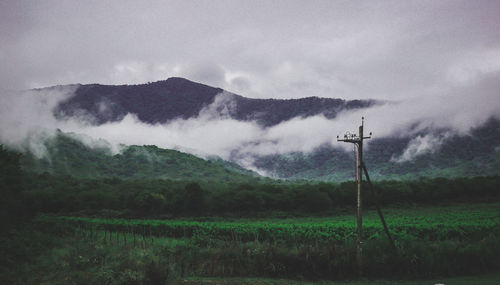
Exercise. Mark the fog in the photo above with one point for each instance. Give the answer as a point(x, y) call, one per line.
point(26, 120)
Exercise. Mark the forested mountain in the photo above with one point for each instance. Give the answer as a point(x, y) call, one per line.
point(461, 156)
point(477, 154)
point(161, 101)
point(66, 155)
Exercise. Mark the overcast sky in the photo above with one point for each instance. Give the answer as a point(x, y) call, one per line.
point(282, 49)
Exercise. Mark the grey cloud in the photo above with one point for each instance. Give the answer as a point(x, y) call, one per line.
point(348, 49)
point(27, 119)
point(438, 62)
point(206, 72)
point(420, 145)
point(239, 84)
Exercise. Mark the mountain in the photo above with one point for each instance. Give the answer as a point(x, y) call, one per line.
point(66, 154)
point(162, 101)
point(477, 154)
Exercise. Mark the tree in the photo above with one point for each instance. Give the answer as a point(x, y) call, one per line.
point(11, 205)
point(194, 198)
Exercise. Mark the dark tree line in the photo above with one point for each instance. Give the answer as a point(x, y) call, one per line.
point(146, 198)
point(24, 194)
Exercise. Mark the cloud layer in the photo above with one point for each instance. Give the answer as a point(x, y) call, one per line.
point(281, 49)
point(437, 63)
point(26, 119)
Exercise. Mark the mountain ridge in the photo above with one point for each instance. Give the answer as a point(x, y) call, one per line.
point(176, 97)
point(471, 155)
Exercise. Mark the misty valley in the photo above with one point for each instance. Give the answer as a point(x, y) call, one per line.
point(177, 182)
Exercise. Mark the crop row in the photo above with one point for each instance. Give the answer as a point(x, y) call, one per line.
point(261, 231)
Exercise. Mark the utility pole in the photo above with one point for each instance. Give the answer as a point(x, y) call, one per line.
point(357, 140)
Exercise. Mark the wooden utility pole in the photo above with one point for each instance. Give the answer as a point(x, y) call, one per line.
point(359, 211)
point(358, 141)
point(361, 167)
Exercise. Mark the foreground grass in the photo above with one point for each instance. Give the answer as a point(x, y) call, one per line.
point(483, 279)
point(58, 253)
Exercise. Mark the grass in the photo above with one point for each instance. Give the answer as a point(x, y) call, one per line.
point(483, 279)
point(467, 243)
point(431, 223)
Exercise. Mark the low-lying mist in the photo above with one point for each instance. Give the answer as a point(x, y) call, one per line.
point(27, 120)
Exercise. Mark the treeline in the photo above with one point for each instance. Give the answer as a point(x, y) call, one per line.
point(33, 193)
point(167, 198)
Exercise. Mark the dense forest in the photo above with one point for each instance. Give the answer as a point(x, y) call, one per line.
point(146, 197)
point(87, 229)
point(66, 154)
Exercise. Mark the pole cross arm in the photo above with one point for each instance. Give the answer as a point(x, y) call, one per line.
point(355, 140)
point(351, 138)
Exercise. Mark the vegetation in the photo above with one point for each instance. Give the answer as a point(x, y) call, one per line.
point(476, 154)
point(160, 102)
point(468, 156)
point(64, 229)
point(460, 240)
point(430, 224)
point(82, 215)
point(66, 154)
point(11, 176)
point(115, 197)
point(32, 255)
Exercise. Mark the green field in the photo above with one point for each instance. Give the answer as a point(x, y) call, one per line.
point(432, 242)
point(483, 279)
point(427, 223)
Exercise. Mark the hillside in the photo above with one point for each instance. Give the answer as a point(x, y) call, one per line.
point(69, 156)
point(162, 101)
point(474, 155)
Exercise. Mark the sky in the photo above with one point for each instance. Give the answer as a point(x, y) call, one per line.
point(434, 64)
point(280, 49)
